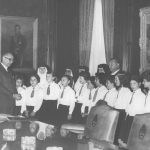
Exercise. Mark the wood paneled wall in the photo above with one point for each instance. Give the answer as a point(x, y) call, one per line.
point(127, 32)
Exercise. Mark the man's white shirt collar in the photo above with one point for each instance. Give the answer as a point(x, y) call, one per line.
point(115, 72)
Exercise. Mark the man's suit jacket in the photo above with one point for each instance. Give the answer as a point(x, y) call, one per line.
point(7, 89)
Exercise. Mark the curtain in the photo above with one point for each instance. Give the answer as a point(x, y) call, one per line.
point(126, 39)
point(108, 21)
point(67, 53)
point(97, 55)
point(51, 9)
point(86, 13)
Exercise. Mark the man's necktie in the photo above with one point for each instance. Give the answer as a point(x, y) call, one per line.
point(62, 94)
point(95, 95)
point(32, 93)
point(131, 98)
point(48, 90)
point(81, 90)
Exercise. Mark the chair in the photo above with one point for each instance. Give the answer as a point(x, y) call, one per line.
point(101, 126)
point(139, 137)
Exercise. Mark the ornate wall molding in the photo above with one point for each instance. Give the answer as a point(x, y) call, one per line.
point(144, 41)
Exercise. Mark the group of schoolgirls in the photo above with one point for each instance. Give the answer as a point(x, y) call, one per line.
point(57, 103)
point(67, 100)
point(134, 102)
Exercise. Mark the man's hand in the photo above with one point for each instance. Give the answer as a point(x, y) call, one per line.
point(33, 114)
point(17, 96)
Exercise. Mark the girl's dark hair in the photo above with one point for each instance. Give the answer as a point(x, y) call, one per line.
point(85, 75)
point(136, 78)
point(84, 68)
point(146, 75)
point(36, 76)
point(50, 72)
point(102, 78)
point(92, 80)
point(105, 68)
point(20, 77)
point(111, 78)
point(124, 79)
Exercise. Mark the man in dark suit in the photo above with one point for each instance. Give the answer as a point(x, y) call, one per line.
point(8, 92)
point(114, 66)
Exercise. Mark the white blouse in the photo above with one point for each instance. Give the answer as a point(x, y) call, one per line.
point(21, 102)
point(123, 98)
point(82, 95)
point(88, 103)
point(137, 103)
point(77, 85)
point(100, 94)
point(36, 100)
point(111, 97)
point(67, 98)
point(54, 91)
point(147, 103)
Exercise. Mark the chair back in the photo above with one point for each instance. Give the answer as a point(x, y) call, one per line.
point(139, 137)
point(101, 123)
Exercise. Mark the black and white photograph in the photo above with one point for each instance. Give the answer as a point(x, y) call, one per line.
point(74, 75)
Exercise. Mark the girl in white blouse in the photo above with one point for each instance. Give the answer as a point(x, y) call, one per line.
point(68, 72)
point(123, 99)
point(66, 101)
point(85, 109)
point(101, 89)
point(34, 96)
point(48, 109)
point(146, 83)
point(20, 104)
point(136, 106)
point(111, 96)
point(82, 95)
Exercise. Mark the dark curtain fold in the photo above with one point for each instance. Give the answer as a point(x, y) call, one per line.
point(126, 39)
point(108, 21)
point(51, 8)
point(86, 14)
point(67, 35)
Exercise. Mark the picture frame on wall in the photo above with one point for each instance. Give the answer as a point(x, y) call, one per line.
point(19, 35)
point(144, 41)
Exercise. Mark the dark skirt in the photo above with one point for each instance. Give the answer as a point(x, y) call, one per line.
point(85, 117)
point(125, 128)
point(77, 116)
point(62, 114)
point(17, 110)
point(30, 109)
point(122, 115)
point(48, 112)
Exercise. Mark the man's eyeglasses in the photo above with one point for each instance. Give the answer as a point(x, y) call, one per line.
point(10, 59)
